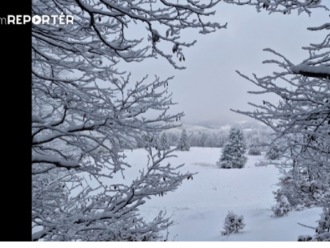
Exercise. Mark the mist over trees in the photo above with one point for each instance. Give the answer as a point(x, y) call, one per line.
point(218, 137)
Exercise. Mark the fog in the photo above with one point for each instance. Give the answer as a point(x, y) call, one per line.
point(209, 86)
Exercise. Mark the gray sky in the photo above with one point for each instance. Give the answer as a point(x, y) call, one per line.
point(209, 87)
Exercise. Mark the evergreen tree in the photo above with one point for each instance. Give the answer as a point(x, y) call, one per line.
point(233, 223)
point(282, 206)
point(183, 144)
point(233, 152)
point(163, 143)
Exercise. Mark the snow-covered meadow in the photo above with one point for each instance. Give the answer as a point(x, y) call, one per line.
point(199, 206)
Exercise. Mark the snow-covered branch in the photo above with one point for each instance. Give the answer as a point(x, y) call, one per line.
point(85, 113)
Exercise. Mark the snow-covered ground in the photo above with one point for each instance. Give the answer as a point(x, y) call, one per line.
point(200, 205)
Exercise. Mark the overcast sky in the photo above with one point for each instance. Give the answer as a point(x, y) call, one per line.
point(209, 87)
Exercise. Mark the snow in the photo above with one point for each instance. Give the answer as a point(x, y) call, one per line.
point(200, 206)
point(303, 68)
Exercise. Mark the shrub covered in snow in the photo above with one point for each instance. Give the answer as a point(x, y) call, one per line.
point(233, 223)
point(261, 163)
point(254, 150)
point(282, 207)
point(305, 187)
point(254, 147)
point(273, 153)
point(233, 152)
point(305, 238)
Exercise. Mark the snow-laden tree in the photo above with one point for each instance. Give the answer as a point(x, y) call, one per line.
point(323, 228)
point(254, 146)
point(163, 143)
point(173, 138)
point(85, 111)
point(183, 143)
point(233, 223)
point(282, 6)
point(273, 152)
point(302, 116)
point(282, 206)
point(232, 155)
point(305, 188)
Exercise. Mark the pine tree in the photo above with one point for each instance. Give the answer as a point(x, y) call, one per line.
point(163, 143)
point(183, 144)
point(233, 152)
point(233, 223)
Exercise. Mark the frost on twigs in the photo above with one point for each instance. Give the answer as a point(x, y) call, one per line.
point(273, 153)
point(233, 223)
point(301, 117)
point(86, 111)
point(282, 6)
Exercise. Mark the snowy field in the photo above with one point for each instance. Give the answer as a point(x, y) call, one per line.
point(200, 206)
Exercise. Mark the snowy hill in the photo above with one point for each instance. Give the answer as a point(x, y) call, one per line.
point(199, 206)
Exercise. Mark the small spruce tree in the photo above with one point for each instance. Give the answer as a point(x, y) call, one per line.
point(163, 143)
point(233, 223)
point(183, 144)
point(233, 152)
